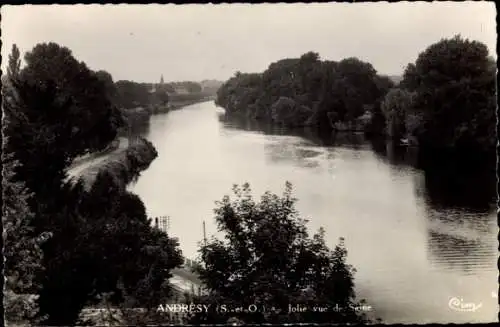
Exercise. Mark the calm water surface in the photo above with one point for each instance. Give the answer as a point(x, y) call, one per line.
point(413, 237)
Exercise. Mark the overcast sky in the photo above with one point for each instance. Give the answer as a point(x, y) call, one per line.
point(196, 42)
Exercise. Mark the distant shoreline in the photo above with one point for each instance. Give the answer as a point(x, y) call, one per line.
point(176, 105)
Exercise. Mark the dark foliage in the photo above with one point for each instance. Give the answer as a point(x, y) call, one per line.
point(56, 109)
point(455, 85)
point(22, 266)
point(307, 92)
point(104, 243)
point(132, 95)
point(447, 98)
point(267, 259)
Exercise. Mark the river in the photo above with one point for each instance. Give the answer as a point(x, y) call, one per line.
point(421, 250)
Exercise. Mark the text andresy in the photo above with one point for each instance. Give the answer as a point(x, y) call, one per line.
point(185, 308)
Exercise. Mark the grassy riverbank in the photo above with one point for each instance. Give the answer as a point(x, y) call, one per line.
point(121, 163)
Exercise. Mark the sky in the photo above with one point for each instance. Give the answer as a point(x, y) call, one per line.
point(197, 42)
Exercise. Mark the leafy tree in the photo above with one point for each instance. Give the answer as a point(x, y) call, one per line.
point(286, 111)
point(14, 63)
point(396, 108)
point(22, 264)
point(66, 113)
point(240, 92)
point(325, 103)
point(410, 78)
point(267, 259)
point(132, 95)
point(21, 249)
point(38, 137)
point(109, 85)
point(355, 87)
point(454, 80)
point(377, 123)
point(50, 63)
point(383, 84)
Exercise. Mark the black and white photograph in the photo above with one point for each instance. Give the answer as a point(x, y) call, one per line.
point(266, 164)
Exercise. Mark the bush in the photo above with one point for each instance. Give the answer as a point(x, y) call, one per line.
point(267, 259)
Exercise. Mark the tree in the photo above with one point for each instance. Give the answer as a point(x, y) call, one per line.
point(21, 249)
point(67, 113)
point(410, 78)
point(356, 86)
point(132, 95)
point(50, 63)
point(22, 265)
point(384, 84)
point(454, 80)
point(38, 136)
point(240, 92)
point(14, 63)
point(286, 111)
point(109, 85)
point(396, 108)
point(267, 259)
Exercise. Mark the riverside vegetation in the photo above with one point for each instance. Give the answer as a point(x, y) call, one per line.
point(445, 101)
point(68, 246)
point(71, 246)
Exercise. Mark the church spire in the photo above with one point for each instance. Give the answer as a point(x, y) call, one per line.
point(161, 80)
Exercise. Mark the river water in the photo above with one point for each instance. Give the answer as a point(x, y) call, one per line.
point(424, 247)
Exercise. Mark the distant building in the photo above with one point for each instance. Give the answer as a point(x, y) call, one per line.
point(157, 86)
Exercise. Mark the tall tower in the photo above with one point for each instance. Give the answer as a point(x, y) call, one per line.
point(161, 80)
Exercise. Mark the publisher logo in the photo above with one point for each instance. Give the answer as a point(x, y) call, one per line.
point(458, 304)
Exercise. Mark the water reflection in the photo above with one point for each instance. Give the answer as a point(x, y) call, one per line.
point(460, 253)
point(460, 189)
point(309, 135)
point(446, 184)
point(457, 203)
point(459, 228)
point(390, 152)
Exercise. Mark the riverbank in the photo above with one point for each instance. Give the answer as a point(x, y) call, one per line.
point(81, 160)
point(122, 163)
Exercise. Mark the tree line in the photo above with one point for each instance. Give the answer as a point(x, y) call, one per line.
point(130, 94)
point(306, 92)
point(446, 99)
point(68, 247)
